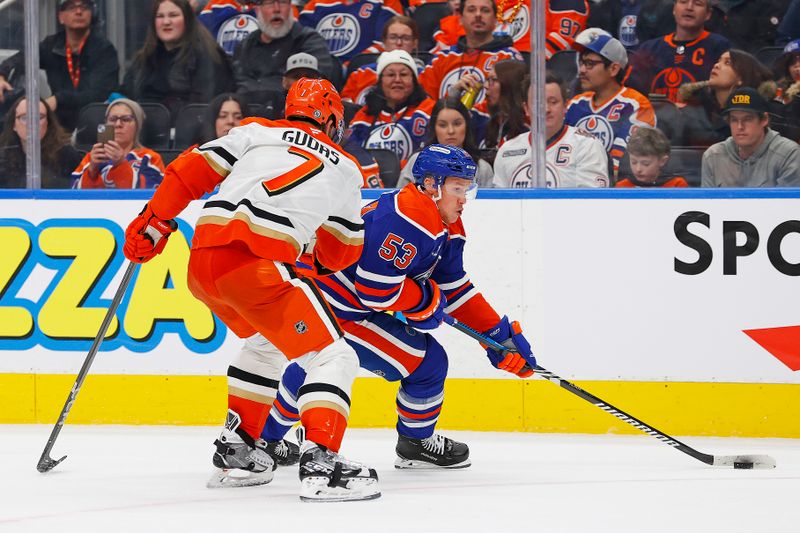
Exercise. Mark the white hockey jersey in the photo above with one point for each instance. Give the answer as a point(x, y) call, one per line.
point(281, 184)
point(574, 159)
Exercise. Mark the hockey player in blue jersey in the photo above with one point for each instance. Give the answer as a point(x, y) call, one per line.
point(412, 262)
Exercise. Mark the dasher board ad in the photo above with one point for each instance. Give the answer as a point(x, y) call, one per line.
point(683, 288)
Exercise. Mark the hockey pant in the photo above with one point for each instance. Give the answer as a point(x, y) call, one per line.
point(392, 350)
point(281, 316)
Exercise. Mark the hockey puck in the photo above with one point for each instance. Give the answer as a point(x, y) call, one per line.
point(743, 466)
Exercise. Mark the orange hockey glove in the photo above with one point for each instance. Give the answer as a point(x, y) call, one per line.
point(147, 236)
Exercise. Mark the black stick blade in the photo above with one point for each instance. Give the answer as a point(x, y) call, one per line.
point(46, 464)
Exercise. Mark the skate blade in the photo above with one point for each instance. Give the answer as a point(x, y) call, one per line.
point(317, 490)
point(402, 463)
point(234, 478)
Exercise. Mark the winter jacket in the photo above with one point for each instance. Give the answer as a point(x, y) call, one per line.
point(775, 163)
point(749, 24)
point(99, 73)
point(260, 66)
point(162, 80)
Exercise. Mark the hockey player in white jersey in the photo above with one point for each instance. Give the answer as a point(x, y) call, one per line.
point(574, 158)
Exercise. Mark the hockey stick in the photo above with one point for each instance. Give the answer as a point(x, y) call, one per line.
point(735, 461)
point(46, 463)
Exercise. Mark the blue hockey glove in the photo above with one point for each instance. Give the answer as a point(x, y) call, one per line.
point(510, 335)
point(430, 312)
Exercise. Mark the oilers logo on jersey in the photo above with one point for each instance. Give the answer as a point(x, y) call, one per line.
point(627, 31)
point(452, 77)
point(669, 80)
point(341, 31)
point(391, 137)
point(599, 127)
point(234, 30)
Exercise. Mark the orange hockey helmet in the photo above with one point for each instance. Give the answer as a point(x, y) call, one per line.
point(316, 100)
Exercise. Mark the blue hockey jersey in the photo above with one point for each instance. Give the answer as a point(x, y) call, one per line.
point(406, 242)
point(229, 22)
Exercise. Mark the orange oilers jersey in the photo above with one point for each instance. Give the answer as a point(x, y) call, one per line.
point(662, 65)
point(142, 169)
point(612, 121)
point(676, 181)
point(281, 184)
point(448, 66)
point(450, 29)
point(564, 19)
point(359, 83)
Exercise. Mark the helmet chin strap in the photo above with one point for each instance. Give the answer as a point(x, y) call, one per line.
point(438, 194)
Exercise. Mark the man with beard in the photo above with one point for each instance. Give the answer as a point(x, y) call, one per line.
point(260, 60)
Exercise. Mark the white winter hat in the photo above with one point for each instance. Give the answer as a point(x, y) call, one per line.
point(396, 56)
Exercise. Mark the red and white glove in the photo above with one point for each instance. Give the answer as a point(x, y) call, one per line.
point(147, 236)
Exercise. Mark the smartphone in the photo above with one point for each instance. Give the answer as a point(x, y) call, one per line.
point(104, 133)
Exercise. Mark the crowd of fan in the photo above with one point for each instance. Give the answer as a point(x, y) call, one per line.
point(639, 93)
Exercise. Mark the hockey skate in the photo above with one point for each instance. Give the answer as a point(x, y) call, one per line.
point(326, 476)
point(241, 460)
point(434, 452)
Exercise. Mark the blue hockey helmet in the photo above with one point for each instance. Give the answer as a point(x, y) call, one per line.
point(440, 161)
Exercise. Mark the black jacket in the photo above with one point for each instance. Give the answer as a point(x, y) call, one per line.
point(99, 69)
point(198, 80)
point(260, 66)
point(58, 176)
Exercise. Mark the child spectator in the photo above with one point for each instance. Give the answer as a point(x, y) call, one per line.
point(648, 150)
point(58, 157)
point(122, 163)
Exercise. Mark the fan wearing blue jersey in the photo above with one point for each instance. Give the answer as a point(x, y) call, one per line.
point(412, 262)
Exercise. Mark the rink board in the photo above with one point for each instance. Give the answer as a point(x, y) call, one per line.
point(593, 277)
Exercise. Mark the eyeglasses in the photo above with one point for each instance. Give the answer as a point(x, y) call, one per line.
point(590, 63)
point(74, 6)
point(24, 117)
point(125, 119)
point(399, 38)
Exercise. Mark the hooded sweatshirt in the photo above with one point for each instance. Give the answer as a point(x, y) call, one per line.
point(775, 163)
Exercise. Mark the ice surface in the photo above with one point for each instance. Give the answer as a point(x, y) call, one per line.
point(136, 479)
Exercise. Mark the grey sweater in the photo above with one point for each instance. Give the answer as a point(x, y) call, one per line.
point(776, 163)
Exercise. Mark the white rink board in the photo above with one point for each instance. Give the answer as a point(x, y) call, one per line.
point(592, 281)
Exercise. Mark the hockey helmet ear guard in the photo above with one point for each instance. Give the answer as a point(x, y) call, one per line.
point(439, 161)
point(318, 101)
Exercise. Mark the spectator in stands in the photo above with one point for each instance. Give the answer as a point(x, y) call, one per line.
point(619, 18)
point(648, 150)
point(300, 65)
point(450, 125)
point(349, 26)
point(474, 53)
point(788, 67)
point(179, 63)
point(573, 157)
point(81, 65)
point(754, 155)
point(224, 113)
point(703, 122)
point(750, 25)
point(260, 60)
point(58, 157)
point(789, 28)
point(397, 111)
point(687, 55)
point(607, 109)
point(399, 33)
point(122, 163)
point(229, 22)
point(503, 104)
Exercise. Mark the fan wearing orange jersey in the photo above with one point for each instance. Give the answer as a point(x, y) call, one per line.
point(284, 187)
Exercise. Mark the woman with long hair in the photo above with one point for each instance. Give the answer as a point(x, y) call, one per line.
point(504, 103)
point(450, 124)
point(397, 110)
point(704, 101)
point(179, 61)
point(58, 157)
point(223, 113)
point(788, 68)
point(121, 162)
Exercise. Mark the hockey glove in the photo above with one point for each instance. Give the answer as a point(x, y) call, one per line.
point(147, 236)
point(430, 311)
point(510, 335)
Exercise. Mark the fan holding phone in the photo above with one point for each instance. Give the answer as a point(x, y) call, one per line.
point(118, 160)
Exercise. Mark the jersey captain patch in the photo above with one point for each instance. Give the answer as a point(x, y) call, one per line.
point(341, 31)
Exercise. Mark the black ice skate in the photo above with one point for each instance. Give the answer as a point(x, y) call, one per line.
point(241, 460)
point(326, 476)
point(434, 452)
point(283, 452)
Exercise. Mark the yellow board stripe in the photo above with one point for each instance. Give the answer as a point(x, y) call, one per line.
point(703, 409)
